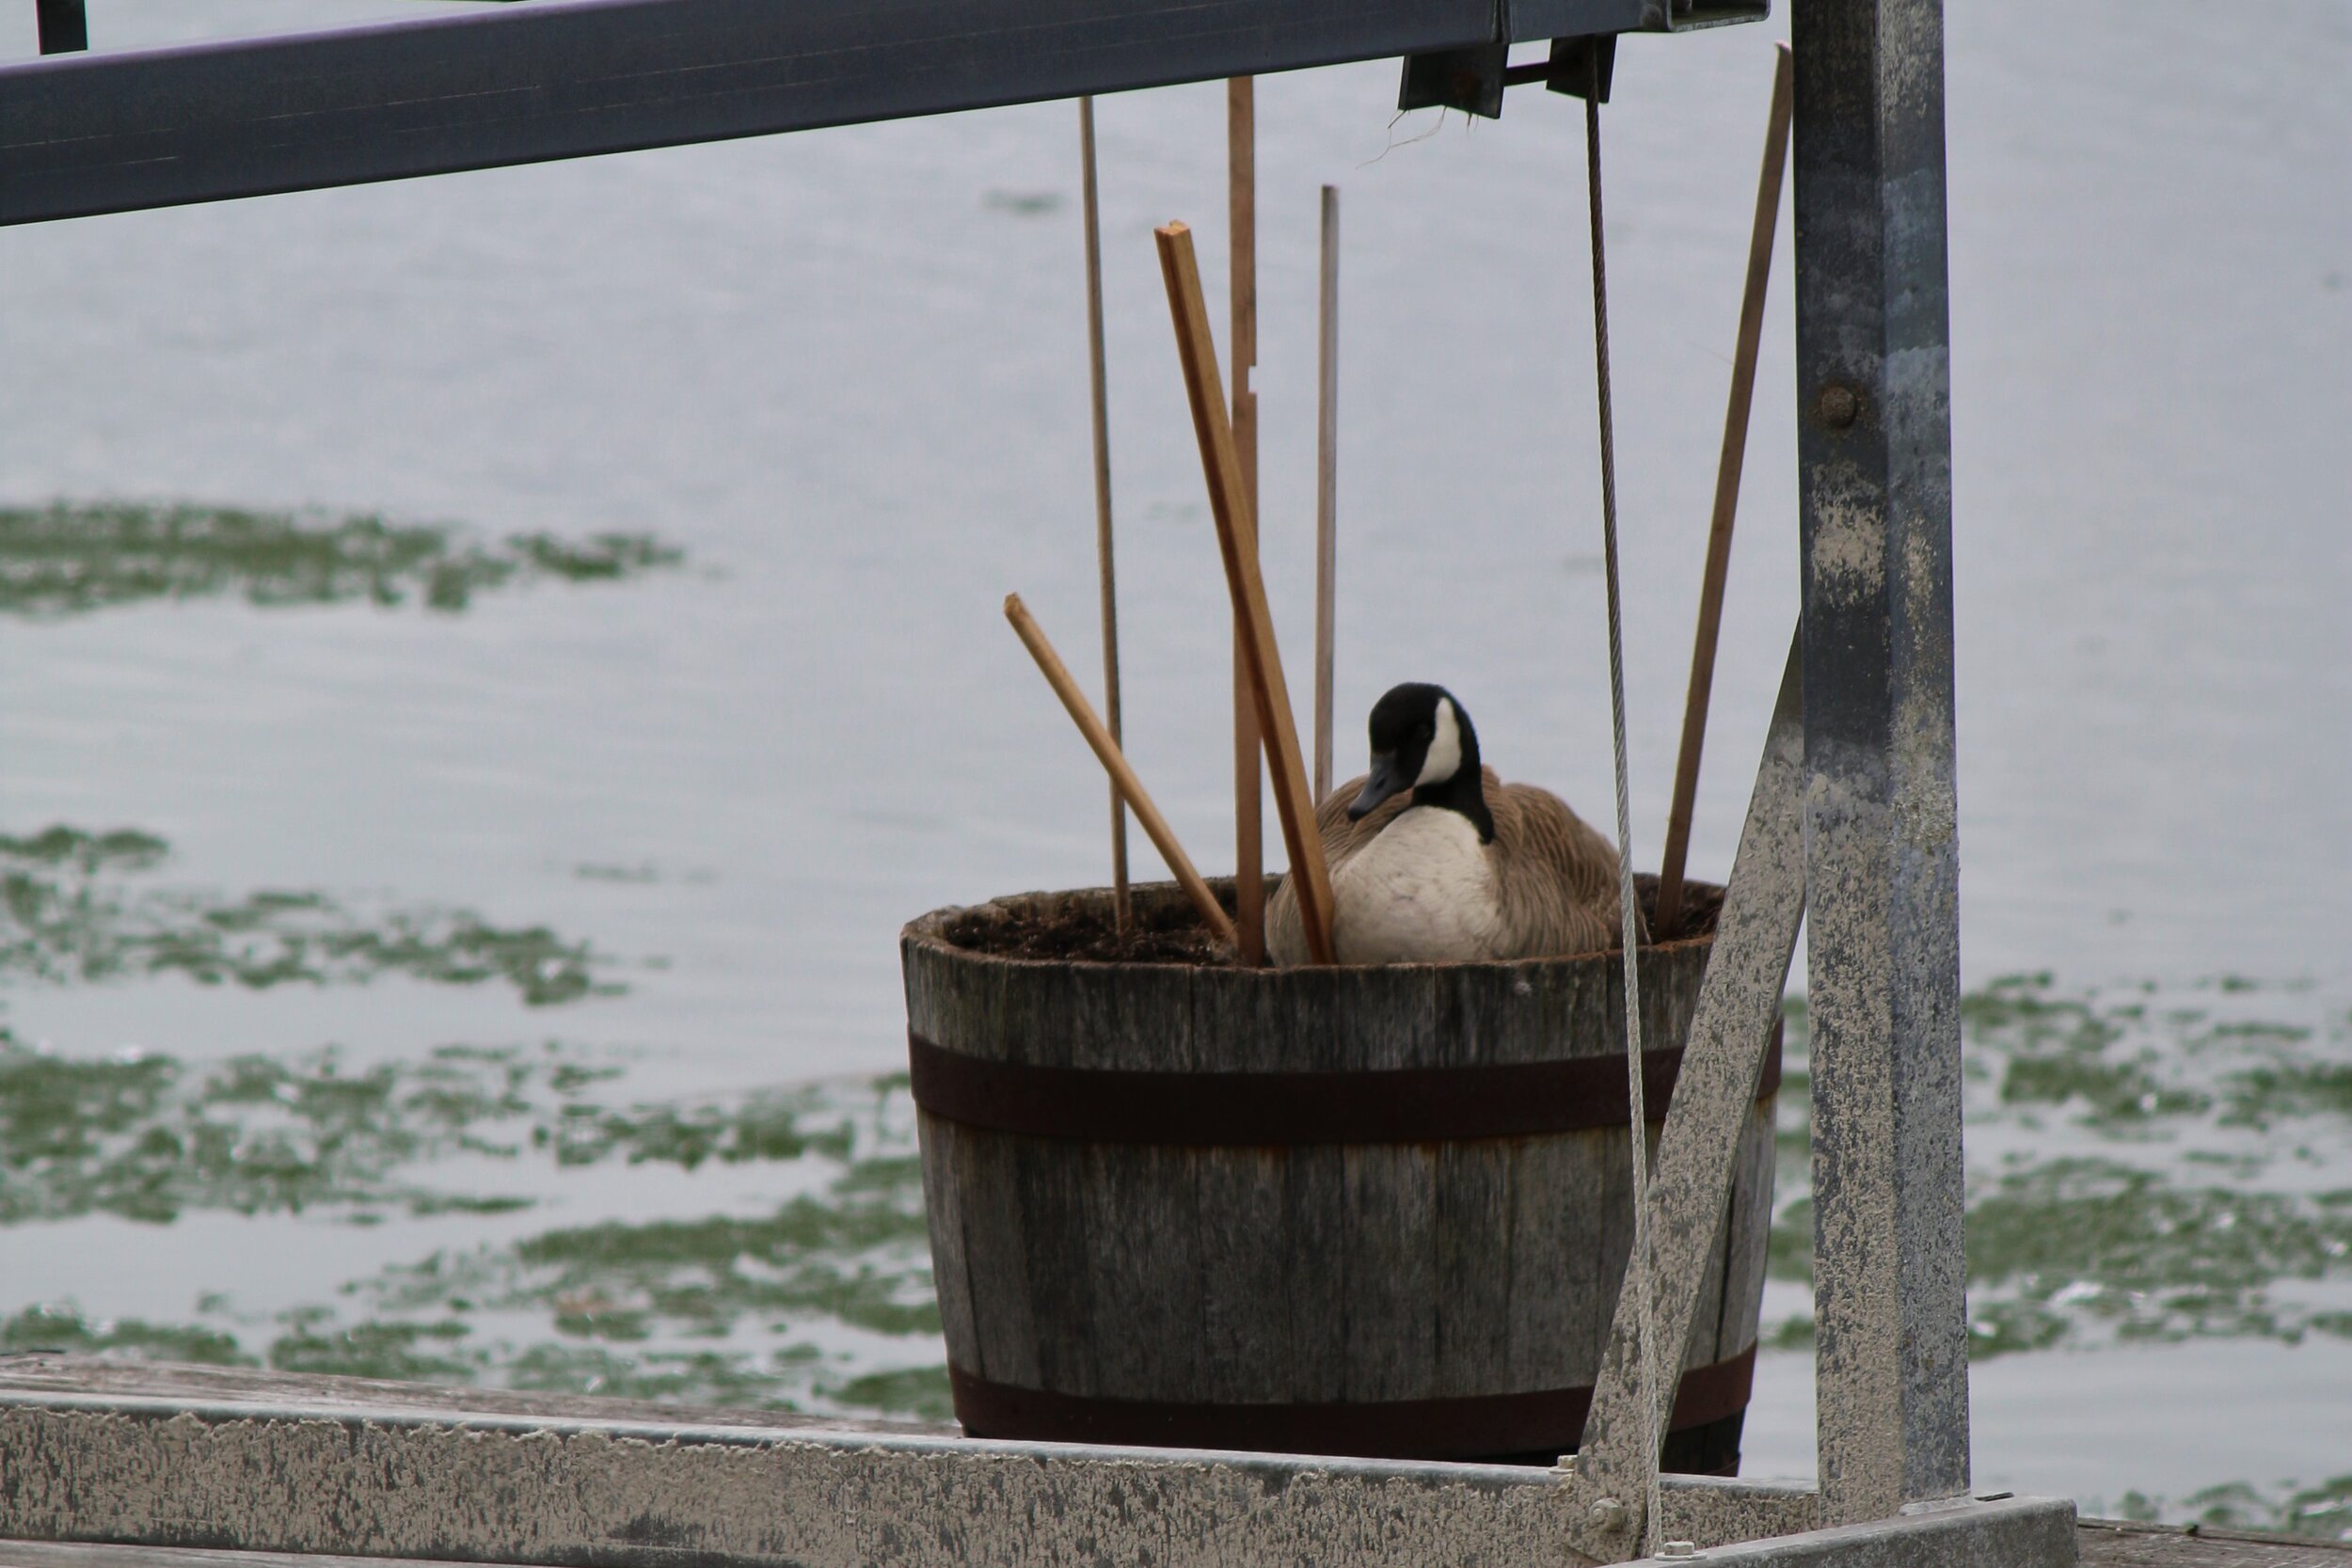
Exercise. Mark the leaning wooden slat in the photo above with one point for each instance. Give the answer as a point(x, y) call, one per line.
point(1098, 379)
point(1728, 467)
point(1241, 209)
point(1115, 761)
point(1326, 483)
point(1237, 539)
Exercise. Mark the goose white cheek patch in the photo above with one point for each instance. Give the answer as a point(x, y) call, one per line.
point(1445, 748)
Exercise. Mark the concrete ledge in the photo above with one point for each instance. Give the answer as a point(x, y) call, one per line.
point(382, 1470)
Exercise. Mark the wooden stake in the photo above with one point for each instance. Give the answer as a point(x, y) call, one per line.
point(1241, 180)
point(1326, 484)
point(1100, 380)
point(1726, 501)
point(1237, 540)
point(1115, 763)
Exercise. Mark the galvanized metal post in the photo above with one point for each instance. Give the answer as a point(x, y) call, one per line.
point(1874, 453)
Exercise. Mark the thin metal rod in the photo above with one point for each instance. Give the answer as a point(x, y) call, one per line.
point(1641, 1271)
point(1237, 541)
point(1241, 176)
point(1326, 484)
point(1113, 762)
point(1099, 383)
point(1726, 496)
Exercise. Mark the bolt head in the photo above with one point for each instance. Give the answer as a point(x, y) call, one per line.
point(1680, 1550)
point(1607, 1515)
point(1839, 405)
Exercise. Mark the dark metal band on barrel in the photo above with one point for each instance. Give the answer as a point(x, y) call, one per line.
point(1392, 1105)
point(1469, 1427)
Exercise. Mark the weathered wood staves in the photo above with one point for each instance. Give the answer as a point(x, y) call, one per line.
point(1371, 1211)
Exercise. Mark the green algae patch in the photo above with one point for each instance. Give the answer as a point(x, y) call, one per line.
point(74, 916)
point(413, 1353)
point(846, 1260)
point(2146, 1166)
point(2151, 1258)
point(774, 1126)
point(920, 1391)
point(62, 1329)
point(818, 1298)
point(2132, 1174)
point(2323, 1512)
point(147, 1138)
point(69, 558)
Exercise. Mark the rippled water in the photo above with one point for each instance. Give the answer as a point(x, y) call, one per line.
point(489, 663)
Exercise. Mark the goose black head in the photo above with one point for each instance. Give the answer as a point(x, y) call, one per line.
point(1422, 741)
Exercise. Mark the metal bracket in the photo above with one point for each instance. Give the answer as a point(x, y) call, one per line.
point(1472, 80)
point(1577, 63)
point(1755, 937)
point(63, 26)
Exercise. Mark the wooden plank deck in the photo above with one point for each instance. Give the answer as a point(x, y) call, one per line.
point(2115, 1543)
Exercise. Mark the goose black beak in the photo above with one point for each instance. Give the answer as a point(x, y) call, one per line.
point(1386, 779)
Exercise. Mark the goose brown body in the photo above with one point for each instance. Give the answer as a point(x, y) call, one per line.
point(1550, 884)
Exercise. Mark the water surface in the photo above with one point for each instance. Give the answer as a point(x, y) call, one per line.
point(490, 662)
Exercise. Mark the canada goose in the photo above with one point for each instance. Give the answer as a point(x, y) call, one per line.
point(1434, 859)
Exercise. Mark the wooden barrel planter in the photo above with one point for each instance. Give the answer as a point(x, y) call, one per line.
point(1376, 1211)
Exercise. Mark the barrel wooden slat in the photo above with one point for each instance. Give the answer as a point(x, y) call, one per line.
point(995, 1249)
point(943, 1205)
point(1143, 1226)
point(1391, 1301)
point(1749, 1234)
point(1244, 1027)
point(1171, 1279)
point(1133, 1016)
point(1551, 1271)
point(1380, 1018)
point(1611, 1185)
point(1473, 1225)
point(1056, 1215)
point(1707, 1316)
point(1314, 1272)
point(1245, 1257)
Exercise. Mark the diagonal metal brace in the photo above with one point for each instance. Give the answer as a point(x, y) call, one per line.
point(1739, 1003)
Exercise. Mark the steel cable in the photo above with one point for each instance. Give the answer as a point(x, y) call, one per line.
point(1640, 1275)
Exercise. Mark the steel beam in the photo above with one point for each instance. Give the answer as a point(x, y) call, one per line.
point(112, 133)
point(1690, 1173)
point(257, 1461)
point(1874, 456)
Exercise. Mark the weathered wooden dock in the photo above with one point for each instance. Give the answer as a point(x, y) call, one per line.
point(2119, 1544)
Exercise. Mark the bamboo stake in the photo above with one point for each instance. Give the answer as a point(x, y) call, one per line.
point(1727, 500)
point(1241, 183)
point(1115, 763)
point(1326, 484)
point(1099, 376)
point(1237, 541)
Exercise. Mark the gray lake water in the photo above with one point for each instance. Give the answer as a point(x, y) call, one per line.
point(634, 823)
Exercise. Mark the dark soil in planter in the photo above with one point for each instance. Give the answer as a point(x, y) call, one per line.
point(1167, 930)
